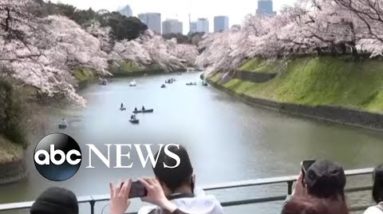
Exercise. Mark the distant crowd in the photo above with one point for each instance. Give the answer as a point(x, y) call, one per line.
point(318, 190)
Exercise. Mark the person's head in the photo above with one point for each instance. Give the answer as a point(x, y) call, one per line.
point(174, 178)
point(312, 205)
point(325, 179)
point(55, 200)
point(377, 189)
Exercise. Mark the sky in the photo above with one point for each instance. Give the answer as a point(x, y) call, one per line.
point(180, 9)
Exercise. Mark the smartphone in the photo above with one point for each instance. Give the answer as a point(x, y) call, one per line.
point(305, 165)
point(137, 190)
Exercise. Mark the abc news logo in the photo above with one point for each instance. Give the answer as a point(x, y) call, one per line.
point(58, 157)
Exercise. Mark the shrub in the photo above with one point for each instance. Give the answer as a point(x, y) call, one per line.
point(11, 112)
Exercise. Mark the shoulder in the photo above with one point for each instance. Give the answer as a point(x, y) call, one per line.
point(373, 210)
point(199, 204)
point(147, 209)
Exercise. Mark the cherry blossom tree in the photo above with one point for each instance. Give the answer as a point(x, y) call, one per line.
point(151, 49)
point(311, 27)
point(43, 52)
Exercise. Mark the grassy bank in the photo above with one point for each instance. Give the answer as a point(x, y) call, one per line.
point(263, 66)
point(317, 81)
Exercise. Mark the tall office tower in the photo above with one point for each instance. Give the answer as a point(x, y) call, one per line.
point(265, 8)
point(221, 23)
point(171, 26)
point(152, 20)
point(202, 25)
point(126, 11)
point(193, 27)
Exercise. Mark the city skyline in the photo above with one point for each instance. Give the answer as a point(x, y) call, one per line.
point(180, 9)
point(172, 26)
point(152, 20)
point(221, 23)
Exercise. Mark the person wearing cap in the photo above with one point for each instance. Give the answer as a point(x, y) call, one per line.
point(55, 200)
point(178, 185)
point(377, 192)
point(323, 180)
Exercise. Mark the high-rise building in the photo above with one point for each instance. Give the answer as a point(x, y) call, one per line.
point(221, 23)
point(126, 11)
point(193, 27)
point(265, 8)
point(152, 20)
point(202, 25)
point(171, 26)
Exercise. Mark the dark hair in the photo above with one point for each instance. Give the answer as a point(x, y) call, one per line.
point(325, 179)
point(55, 200)
point(173, 177)
point(377, 189)
point(312, 205)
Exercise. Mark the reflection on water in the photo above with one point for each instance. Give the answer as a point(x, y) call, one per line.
point(227, 139)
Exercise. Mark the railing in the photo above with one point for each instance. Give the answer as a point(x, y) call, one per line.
point(288, 180)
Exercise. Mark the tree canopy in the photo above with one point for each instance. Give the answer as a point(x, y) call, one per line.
point(122, 27)
point(311, 27)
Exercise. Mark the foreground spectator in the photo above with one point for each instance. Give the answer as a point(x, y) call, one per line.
point(325, 181)
point(55, 200)
point(311, 205)
point(377, 192)
point(178, 185)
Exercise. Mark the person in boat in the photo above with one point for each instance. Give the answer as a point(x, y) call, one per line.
point(122, 106)
point(143, 108)
point(135, 109)
point(133, 117)
point(63, 122)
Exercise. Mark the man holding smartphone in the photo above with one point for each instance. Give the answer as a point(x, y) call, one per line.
point(172, 191)
point(178, 185)
point(121, 193)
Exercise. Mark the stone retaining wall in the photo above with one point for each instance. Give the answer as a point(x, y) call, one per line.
point(336, 114)
point(13, 172)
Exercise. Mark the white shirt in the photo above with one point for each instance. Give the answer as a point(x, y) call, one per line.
point(377, 209)
point(200, 204)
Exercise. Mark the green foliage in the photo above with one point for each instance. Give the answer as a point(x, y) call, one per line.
point(9, 151)
point(181, 39)
point(128, 68)
point(83, 76)
point(123, 27)
point(322, 81)
point(195, 38)
point(11, 113)
point(124, 68)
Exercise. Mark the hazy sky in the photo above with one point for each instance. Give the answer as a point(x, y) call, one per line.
point(235, 9)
